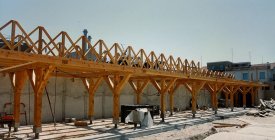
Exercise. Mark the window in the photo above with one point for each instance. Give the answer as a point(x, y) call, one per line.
point(212, 67)
point(245, 76)
point(262, 75)
point(221, 67)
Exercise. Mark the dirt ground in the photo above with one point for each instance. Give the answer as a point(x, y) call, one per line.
point(201, 131)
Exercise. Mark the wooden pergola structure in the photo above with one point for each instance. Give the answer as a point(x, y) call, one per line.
point(37, 56)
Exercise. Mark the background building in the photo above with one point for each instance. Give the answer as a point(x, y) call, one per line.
point(264, 73)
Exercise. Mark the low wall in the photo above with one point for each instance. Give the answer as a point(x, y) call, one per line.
point(71, 99)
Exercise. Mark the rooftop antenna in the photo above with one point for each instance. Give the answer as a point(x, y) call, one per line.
point(249, 53)
point(201, 61)
point(232, 54)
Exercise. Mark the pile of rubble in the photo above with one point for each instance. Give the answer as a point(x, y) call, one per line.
point(266, 108)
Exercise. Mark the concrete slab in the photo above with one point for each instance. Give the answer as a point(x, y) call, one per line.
point(103, 128)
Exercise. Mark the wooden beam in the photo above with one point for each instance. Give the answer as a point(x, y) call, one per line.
point(91, 85)
point(18, 67)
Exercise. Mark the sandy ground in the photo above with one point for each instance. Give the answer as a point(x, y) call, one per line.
point(201, 131)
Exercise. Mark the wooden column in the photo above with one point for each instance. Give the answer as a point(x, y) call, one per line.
point(231, 90)
point(212, 101)
point(194, 87)
point(91, 84)
point(237, 99)
point(163, 87)
point(244, 101)
point(214, 89)
point(116, 83)
point(38, 78)
point(17, 80)
point(226, 100)
point(244, 90)
point(138, 87)
point(171, 92)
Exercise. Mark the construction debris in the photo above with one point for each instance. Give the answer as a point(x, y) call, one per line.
point(229, 123)
point(219, 125)
point(80, 123)
point(266, 108)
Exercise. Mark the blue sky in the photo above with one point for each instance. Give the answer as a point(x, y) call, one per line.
point(192, 29)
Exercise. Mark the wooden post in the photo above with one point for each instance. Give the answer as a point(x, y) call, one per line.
point(232, 89)
point(171, 92)
point(244, 100)
point(194, 87)
point(116, 107)
point(214, 89)
point(164, 86)
point(138, 87)
point(194, 102)
point(91, 85)
point(232, 101)
point(38, 78)
point(162, 106)
point(171, 101)
point(18, 80)
point(116, 83)
point(226, 100)
point(212, 101)
point(237, 99)
point(244, 90)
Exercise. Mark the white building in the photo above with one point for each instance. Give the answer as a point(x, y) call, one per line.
point(264, 73)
